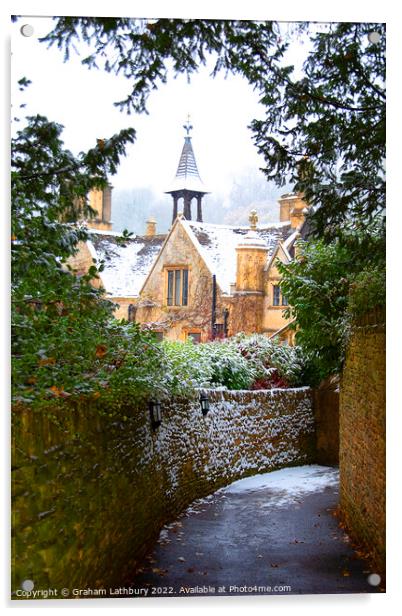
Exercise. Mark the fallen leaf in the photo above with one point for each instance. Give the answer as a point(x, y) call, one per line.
point(47, 361)
point(101, 350)
point(274, 565)
point(190, 570)
point(181, 559)
point(159, 571)
point(56, 391)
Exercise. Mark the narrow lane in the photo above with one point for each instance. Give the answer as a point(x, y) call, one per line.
point(269, 534)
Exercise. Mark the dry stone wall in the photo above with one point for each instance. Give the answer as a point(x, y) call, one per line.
point(362, 439)
point(91, 490)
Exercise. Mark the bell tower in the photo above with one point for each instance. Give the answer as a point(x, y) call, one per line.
point(187, 184)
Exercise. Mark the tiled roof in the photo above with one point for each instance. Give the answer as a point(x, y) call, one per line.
point(125, 265)
point(217, 245)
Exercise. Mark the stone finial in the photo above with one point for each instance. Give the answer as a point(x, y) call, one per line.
point(253, 218)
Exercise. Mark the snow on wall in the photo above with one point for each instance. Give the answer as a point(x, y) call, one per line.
point(111, 483)
point(244, 433)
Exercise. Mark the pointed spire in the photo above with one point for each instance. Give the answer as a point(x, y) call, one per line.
point(187, 175)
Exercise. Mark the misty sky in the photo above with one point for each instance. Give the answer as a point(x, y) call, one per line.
point(82, 101)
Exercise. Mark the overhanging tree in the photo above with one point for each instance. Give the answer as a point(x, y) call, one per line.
point(65, 342)
point(329, 286)
point(323, 131)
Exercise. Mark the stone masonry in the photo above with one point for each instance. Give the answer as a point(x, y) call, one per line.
point(92, 489)
point(362, 439)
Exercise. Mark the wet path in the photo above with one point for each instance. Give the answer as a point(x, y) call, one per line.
point(269, 534)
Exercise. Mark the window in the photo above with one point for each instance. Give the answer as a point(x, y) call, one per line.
point(177, 287)
point(277, 295)
point(195, 337)
point(131, 313)
point(278, 298)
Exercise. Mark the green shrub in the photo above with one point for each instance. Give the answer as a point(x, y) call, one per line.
point(366, 293)
point(274, 365)
point(211, 364)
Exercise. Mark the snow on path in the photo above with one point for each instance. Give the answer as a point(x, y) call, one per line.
point(283, 488)
point(287, 485)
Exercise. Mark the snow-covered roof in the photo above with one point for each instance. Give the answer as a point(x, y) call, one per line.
point(125, 265)
point(217, 245)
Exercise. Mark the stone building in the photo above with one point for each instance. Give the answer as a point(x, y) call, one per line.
point(200, 280)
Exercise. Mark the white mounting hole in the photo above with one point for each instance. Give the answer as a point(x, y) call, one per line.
point(27, 585)
point(374, 579)
point(27, 30)
point(374, 37)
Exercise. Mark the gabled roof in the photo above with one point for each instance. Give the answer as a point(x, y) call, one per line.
point(287, 246)
point(217, 245)
point(126, 265)
point(279, 248)
point(187, 175)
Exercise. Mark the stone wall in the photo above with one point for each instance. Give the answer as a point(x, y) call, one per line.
point(362, 439)
point(92, 490)
point(326, 412)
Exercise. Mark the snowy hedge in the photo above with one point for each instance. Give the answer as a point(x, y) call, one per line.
point(241, 362)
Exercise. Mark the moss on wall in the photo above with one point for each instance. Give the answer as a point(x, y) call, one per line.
point(362, 439)
point(91, 490)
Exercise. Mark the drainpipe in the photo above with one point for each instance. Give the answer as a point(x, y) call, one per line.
point(213, 315)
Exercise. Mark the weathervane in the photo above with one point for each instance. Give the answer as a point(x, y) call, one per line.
point(187, 127)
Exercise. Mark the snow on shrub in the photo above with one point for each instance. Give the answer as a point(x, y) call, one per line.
point(241, 362)
point(274, 365)
point(211, 364)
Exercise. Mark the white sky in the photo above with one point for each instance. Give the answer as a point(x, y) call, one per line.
point(82, 100)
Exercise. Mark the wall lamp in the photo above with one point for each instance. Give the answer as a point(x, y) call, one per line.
point(204, 401)
point(156, 413)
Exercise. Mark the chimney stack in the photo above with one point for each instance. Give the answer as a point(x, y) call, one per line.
point(293, 209)
point(151, 228)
